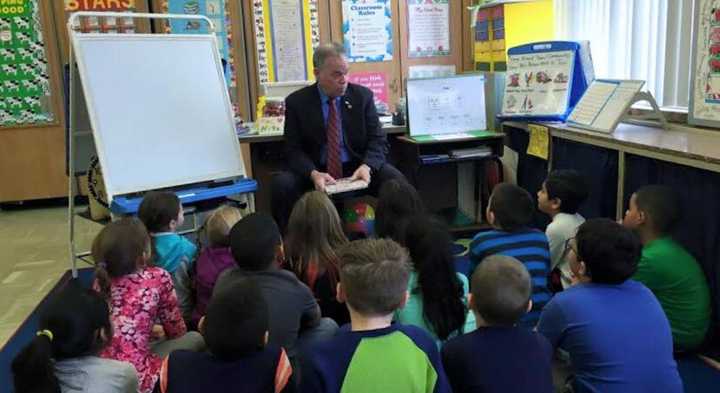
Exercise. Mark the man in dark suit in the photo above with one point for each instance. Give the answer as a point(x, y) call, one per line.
point(332, 131)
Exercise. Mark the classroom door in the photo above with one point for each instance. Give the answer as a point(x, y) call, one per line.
point(383, 77)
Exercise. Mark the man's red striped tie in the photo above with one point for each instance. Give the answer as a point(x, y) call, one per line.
point(334, 164)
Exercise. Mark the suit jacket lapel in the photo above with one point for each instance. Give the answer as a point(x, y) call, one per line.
point(316, 119)
point(347, 106)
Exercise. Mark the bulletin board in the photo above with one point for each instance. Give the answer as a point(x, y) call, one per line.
point(705, 80)
point(27, 94)
point(286, 31)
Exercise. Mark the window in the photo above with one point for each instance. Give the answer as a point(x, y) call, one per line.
point(635, 39)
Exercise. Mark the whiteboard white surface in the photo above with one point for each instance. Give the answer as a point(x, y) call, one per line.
point(446, 105)
point(159, 108)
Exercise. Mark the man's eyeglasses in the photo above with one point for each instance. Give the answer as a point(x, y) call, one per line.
point(569, 245)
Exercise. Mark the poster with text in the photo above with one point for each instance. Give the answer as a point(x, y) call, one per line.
point(537, 84)
point(428, 28)
point(25, 96)
point(216, 12)
point(705, 100)
point(288, 40)
point(367, 30)
point(377, 83)
point(286, 31)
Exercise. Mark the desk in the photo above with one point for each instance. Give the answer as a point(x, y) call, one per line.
point(683, 158)
point(267, 155)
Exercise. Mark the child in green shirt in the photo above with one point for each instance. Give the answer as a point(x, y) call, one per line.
point(666, 268)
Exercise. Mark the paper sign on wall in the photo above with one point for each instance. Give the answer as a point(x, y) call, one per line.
point(539, 144)
point(367, 30)
point(377, 82)
point(428, 28)
point(286, 32)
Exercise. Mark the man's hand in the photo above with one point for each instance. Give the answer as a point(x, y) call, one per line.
point(321, 179)
point(362, 173)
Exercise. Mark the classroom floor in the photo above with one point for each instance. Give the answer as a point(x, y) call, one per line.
point(34, 254)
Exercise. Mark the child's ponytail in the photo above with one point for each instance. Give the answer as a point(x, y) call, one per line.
point(102, 278)
point(117, 250)
point(33, 369)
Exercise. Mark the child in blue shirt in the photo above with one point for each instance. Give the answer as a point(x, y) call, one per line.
point(613, 328)
point(162, 214)
point(374, 355)
point(510, 211)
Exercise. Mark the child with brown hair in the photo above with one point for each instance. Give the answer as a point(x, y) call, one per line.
point(314, 235)
point(139, 294)
point(162, 213)
point(215, 256)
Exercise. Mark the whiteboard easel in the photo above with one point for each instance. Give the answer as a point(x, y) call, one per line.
point(168, 123)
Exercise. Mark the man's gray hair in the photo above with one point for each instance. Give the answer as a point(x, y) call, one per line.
point(324, 51)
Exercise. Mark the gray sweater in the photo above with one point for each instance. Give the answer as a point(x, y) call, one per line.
point(94, 374)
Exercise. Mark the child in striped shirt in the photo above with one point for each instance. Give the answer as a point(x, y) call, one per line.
point(510, 211)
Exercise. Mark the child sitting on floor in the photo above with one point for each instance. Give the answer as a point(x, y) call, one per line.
point(561, 195)
point(139, 295)
point(510, 211)
point(294, 314)
point(437, 300)
point(63, 355)
point(374, 355)
point(666, 268)
point(499, 356)
point(162, 213)
point(215, 257)
point(236, 330)
point(313, 237)
point(398, 200)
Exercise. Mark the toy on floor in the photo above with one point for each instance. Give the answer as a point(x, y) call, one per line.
point(359, 219)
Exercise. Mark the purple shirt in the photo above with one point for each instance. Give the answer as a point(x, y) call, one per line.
point(210, 263)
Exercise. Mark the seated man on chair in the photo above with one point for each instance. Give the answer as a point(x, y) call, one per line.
point(332, 131)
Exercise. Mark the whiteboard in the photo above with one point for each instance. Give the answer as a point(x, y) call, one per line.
point(159, 109)
point(446, 105)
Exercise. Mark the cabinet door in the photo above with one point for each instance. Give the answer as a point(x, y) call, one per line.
point(389, 69)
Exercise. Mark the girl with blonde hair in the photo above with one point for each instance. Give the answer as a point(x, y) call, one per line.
point(215, 256)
